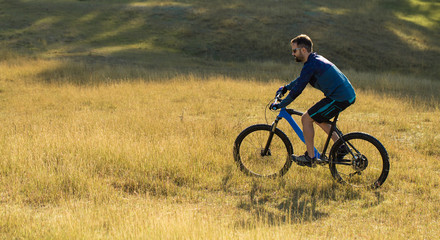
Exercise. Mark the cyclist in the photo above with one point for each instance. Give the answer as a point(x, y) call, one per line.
point(325, 76)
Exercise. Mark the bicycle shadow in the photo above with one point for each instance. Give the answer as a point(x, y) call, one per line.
point(291, 210)
point(288, 205)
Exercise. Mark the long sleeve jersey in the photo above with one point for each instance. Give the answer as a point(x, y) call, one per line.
point(323, 75)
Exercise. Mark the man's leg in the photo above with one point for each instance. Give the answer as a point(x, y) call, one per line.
point(321, 112)
point(318, 112)
point(327, 127)
point(309, 134)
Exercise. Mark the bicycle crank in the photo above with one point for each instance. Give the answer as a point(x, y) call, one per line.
point(360, 163)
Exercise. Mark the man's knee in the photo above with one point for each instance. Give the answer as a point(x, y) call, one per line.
point(306, 118)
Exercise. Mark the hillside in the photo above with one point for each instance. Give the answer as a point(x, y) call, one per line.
point(392, 35)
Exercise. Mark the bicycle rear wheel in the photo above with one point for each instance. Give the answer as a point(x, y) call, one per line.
point(363, 163)
point(251, 158)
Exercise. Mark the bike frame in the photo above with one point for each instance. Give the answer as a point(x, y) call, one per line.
point(287, 114)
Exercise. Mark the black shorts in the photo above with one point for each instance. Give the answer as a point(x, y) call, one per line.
point(326, 109)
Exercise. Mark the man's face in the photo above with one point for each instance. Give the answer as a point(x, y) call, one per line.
point(297, 53)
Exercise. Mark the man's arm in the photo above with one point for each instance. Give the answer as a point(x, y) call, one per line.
point(297, 86)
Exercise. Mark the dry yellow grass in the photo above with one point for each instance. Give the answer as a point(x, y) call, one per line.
point(151, 158)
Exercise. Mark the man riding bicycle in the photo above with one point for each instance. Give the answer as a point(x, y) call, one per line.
point(325, 76)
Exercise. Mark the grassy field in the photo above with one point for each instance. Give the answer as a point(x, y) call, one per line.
point(153, 159)
point(110, 131)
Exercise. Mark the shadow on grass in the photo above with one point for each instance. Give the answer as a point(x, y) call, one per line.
point(293, 208)
point(162, 66)
point(157, 66)
point(299, 204)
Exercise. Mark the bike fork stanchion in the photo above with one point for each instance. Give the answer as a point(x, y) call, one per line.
point(266, 150)
point(283, 114)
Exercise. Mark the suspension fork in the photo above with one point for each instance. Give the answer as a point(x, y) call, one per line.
point(266, 150)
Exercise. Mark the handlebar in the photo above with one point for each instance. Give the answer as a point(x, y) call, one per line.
point(278, 98)
point(289, 111)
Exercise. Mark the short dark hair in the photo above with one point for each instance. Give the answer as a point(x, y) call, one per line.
point(303, 41)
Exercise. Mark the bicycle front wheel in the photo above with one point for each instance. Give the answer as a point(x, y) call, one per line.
point(259, 152)
point(360, 160)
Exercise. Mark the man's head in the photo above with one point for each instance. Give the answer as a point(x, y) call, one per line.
point(302, 46)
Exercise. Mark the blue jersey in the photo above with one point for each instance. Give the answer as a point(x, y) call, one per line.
point(323, 75)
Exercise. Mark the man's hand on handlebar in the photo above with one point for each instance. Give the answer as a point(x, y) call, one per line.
point(281, 91)
point(274, 106)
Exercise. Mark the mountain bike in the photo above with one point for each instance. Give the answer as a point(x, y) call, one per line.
point(356, 158)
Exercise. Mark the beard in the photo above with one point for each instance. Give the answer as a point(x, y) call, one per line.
point(298, 59)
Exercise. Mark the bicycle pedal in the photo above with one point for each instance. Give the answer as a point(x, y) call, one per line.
point(320, 162)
